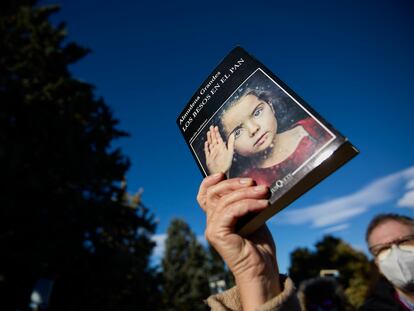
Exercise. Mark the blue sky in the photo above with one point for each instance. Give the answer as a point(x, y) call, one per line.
point(351, 60)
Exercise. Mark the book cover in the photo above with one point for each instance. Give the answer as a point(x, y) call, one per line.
point(244, 121)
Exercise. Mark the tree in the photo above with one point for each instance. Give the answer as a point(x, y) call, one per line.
point(63, 214)
point(185, 275)
point(121, 266)
point(333, 253)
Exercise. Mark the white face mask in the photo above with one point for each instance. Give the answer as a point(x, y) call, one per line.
point(398, 267)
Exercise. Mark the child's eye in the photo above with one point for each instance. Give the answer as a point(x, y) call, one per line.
point(258, 112)
point(237, 132)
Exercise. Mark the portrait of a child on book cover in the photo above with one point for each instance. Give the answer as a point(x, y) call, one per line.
point(261, 132)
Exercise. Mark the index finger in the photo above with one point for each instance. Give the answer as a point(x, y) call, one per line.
point(217, 134)
point(213, 187)
point(205, 184)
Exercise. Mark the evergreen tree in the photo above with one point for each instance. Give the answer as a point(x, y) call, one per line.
point(63, 214)
point(185, 275)
point(333, 253)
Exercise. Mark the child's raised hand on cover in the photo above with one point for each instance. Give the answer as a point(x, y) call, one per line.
point(219, 156)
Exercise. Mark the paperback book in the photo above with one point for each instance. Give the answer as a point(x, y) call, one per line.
point(245, 122)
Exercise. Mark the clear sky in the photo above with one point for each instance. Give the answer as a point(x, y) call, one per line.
point(351, 60)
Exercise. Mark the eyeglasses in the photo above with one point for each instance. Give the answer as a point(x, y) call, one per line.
point(382, 250)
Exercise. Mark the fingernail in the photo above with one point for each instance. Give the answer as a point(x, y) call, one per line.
point(260, 188)
point(244, 181)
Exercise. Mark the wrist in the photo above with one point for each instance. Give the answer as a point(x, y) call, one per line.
point(256, 291)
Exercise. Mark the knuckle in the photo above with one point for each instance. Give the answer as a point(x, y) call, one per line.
point(209, 193)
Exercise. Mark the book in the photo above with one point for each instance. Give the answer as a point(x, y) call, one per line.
point(246, 122)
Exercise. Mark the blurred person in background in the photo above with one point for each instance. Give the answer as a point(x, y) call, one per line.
point(322, 294)
point(390, 239)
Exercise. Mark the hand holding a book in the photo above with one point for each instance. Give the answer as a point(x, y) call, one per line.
point(252, 259)
point(219, 155)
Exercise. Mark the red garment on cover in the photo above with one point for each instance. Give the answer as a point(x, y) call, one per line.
point(308, 146)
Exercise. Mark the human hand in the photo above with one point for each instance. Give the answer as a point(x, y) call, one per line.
point(252, 259)
point(219, 156)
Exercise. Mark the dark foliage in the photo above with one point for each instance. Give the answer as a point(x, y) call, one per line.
point(63, 213)
point(333, 253)
point(185, 272)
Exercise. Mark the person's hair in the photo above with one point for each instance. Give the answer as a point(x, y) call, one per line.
point(381, 218)
point(322, 292)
